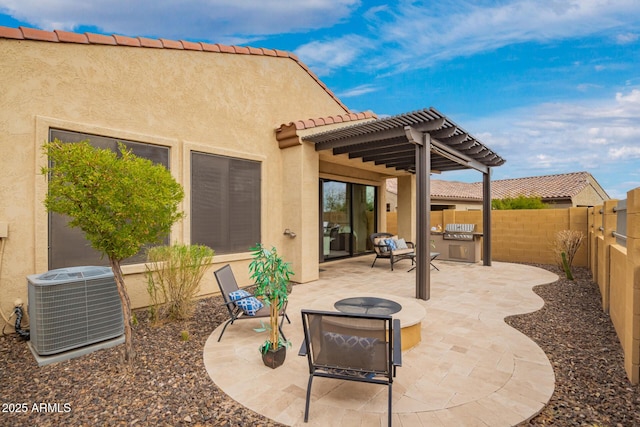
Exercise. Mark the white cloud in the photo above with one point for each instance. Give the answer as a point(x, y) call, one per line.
point(597, 135)
point(212, 20)
point(472, 29)
point(624, 152)
point(627, 38)
point(418, 34)
point(358, 90)
point(326, 56)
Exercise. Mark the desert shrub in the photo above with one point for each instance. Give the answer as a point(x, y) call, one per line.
point(173, 279)
point(567, 242)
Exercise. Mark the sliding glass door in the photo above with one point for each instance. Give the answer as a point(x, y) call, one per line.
point(347, 218)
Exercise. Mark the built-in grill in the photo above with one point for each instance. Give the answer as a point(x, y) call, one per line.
point(458, 232)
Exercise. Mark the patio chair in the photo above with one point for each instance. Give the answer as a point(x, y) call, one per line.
point(351, 347)
point(382, 246)
point(240, 303)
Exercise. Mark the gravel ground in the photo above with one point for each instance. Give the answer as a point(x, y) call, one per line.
point(169, 386)
point(579, 339)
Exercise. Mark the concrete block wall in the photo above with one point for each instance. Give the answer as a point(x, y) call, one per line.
point(617, 272)
point(631, 338)
point(527, 236)
point(524, 235)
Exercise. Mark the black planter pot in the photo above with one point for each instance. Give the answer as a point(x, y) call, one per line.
point(274, 358)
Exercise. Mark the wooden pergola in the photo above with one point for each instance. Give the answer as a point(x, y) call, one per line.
point(419, 143)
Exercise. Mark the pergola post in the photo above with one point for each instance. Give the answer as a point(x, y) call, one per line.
point(486, 218)
point(423, 277)
point(422, 141)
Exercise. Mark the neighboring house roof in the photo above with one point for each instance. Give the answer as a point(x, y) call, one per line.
point(57, 36)
point(560, 186)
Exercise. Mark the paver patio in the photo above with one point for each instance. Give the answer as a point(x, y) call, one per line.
point(470, 369)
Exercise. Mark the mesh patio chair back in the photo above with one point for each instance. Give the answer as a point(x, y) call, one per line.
point(228, 284)
point(352, 347)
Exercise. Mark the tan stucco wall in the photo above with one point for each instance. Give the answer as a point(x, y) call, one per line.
point(589, 196)
point(226, 104)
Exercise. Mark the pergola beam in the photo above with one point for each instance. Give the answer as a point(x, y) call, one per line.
point(359, 139)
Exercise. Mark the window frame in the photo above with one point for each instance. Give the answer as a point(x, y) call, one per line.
point(223, 238)
point(59, 234)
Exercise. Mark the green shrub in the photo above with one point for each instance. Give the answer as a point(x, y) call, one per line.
point(173, 279)
point(518, 202)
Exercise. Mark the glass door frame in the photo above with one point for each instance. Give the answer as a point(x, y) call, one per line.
point(328, 238)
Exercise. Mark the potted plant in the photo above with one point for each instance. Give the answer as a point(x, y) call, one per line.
point(271, 274)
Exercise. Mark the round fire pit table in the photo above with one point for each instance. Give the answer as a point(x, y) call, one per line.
point(367, 305)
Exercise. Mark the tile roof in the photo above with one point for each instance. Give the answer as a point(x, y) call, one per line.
point(58, 36)
point(321, 121)
point(560, 186)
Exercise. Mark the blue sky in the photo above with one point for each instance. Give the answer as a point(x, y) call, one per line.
point(552, 86)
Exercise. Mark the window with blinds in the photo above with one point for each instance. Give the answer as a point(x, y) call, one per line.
point(67, 246)
point(225, 202)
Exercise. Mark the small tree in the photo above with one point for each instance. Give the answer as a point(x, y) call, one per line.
point(518, 202)
point(121, 202)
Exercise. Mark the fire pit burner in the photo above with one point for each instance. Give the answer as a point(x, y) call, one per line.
point(367, 305)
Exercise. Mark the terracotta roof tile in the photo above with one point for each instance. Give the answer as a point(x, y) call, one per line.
point(67, 37)
point(126, 41)
point(208, 47)
point(187, 45)
point(225, 49)
point(11, 33)
point(101, 39)
point(24, 33)
point(171, 44)
point(242, 50)
point(41, 35)
point(321, 121)
point(154, 43)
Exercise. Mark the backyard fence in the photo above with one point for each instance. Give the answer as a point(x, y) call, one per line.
point(611, 250)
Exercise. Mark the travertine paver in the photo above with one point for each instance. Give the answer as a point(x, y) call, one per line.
point(470, 369)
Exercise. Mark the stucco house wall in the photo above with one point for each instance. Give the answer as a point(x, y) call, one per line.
point(214, 102)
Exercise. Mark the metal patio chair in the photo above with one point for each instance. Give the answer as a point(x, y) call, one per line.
point(228, 285)
point(383, 250)
point(351, 347)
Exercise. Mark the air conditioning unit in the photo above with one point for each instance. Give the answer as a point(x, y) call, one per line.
point(73, 307)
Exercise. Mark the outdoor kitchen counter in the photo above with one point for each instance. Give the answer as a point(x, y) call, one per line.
point(457, 250)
